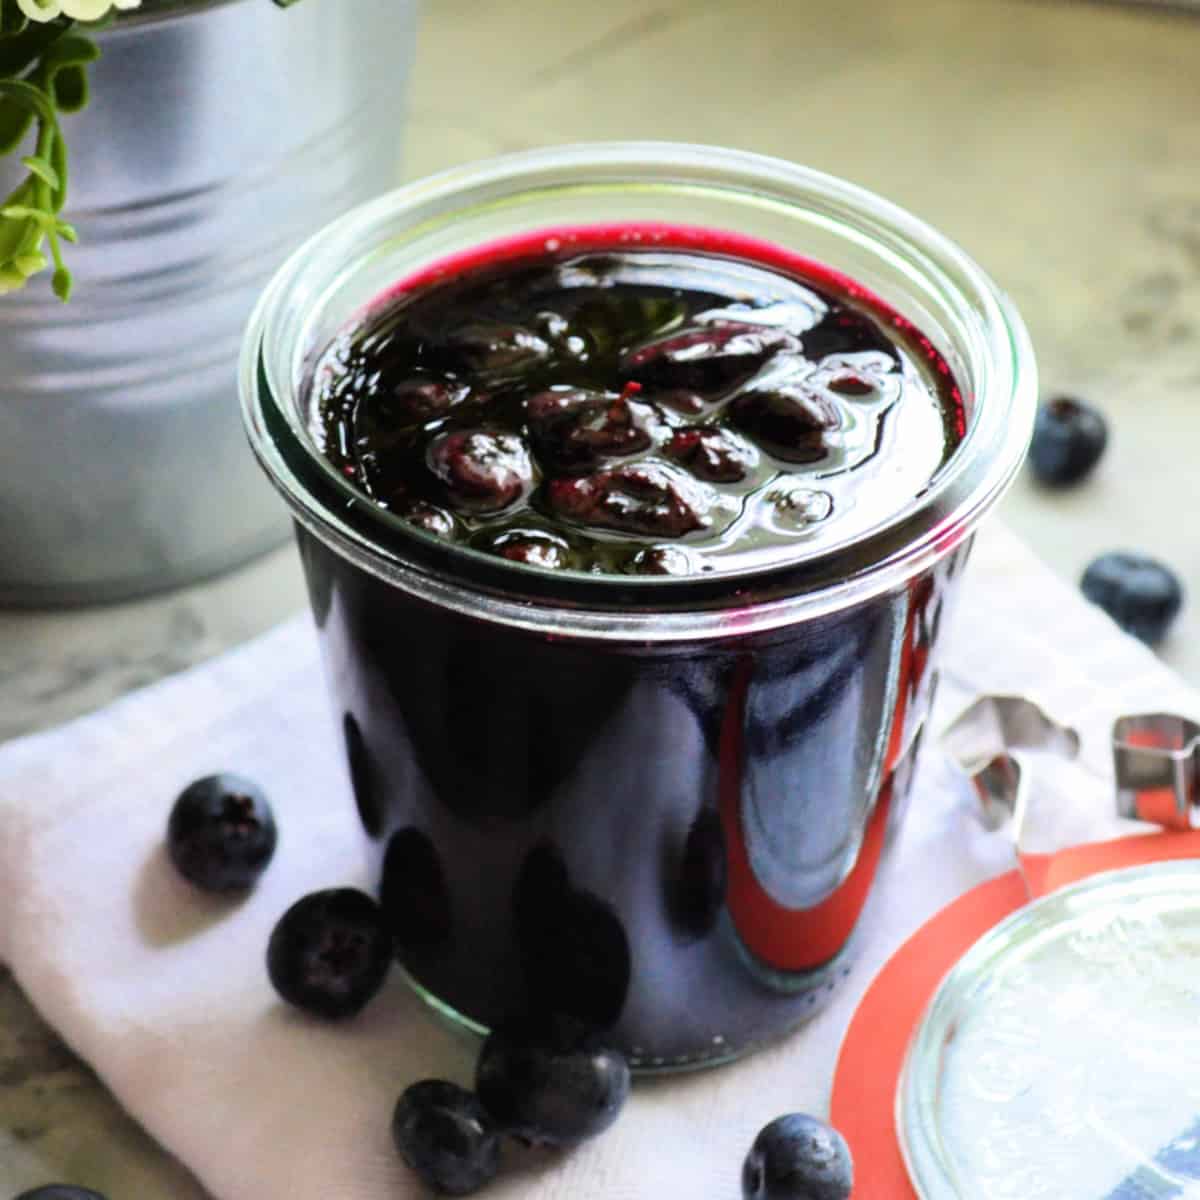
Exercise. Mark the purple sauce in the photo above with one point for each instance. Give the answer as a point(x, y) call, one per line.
point(621, 407)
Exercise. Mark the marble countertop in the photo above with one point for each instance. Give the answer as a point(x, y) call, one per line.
point(1058, 142)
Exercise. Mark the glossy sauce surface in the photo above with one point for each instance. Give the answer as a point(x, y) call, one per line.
point(639, 403)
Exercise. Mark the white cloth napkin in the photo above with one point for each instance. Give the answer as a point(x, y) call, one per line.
point(164, 992)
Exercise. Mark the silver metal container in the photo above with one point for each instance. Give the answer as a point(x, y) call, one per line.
point(219, 135)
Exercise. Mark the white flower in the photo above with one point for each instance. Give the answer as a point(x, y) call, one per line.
point(40, 10)
point(77, 10)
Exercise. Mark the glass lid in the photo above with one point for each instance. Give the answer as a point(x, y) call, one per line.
point(1061, 1056)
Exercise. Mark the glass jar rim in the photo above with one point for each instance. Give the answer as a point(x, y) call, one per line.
point(989, 335)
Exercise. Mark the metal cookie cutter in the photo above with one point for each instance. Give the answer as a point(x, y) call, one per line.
point(1156, 759)
point(989, 742)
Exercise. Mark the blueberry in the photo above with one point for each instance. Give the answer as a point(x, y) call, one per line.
point(788, 420)
point(680, 400)
point(60, 1191)
point(1069, 438)
point(709, 359)
point(715, 455)
point(428, 517)
point(444, 1135)
point(382, 419)
point(797, 1157)
point(330, 953)
point(534, 547)
point(645, 497)
point(550, 1087)
point(575, 428)
point(495, 351)
point(1142, 595)
point(867, 375)
point(483, 471)
point(221, 833)
point(661, 560)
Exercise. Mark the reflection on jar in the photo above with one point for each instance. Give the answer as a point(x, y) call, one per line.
point(697, 890)
point(362, 777)
point(573, 948)
point(797, 747)
point(413, 893)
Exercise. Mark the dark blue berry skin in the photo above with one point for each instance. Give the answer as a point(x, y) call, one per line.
point(444, 1135)
point(221, 833)
point(798, 1157)
point(60, 1191)
point(1142, 595)
point(1069, 438)
point(550, 1088)
point(330, 953)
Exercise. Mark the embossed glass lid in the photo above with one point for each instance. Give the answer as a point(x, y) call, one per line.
point(1061, 1056)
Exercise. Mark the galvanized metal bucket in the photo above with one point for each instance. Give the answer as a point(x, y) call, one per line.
point(218, 136)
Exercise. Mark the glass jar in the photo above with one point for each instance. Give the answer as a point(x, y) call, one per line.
point(656, 805)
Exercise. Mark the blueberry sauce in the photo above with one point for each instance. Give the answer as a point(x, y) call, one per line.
point(639, 403)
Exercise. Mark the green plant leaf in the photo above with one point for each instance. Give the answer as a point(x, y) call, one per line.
point(22, 212)
point(31, 264)
point(19, 239)
point(32, 97)
point(57, 157)
point(18, 235)
point(69, 85)
point(43, 170)
point(14, 233)
point(10, 279)
point(62, 74)
point(15, 120)
point(21, 50)
point(72, 51)
point(43, 72)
